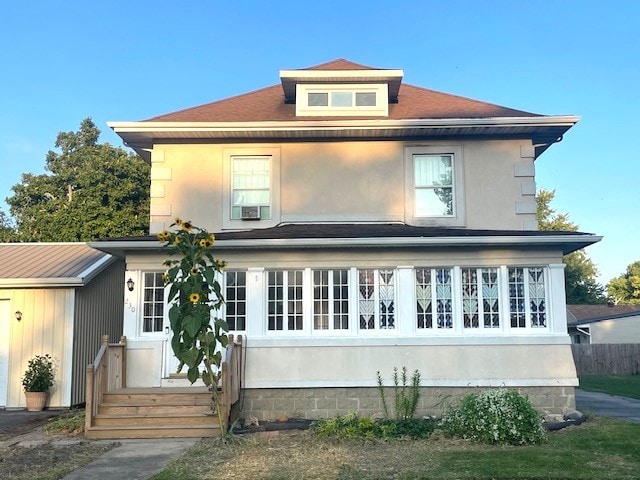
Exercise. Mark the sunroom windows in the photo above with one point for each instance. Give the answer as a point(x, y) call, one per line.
point(384, 301)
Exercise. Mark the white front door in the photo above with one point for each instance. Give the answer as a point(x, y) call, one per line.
point(5, 325)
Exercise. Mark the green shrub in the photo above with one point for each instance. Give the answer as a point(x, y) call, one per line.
point(495, 417)
point(353, 426)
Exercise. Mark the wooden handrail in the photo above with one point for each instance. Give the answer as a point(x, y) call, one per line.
point(106, 373)
point(231, 378)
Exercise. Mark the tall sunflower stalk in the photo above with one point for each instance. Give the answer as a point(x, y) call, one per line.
point(194, 294)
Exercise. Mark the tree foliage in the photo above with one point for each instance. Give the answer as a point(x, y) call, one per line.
point(625, 289)
point(92, 190)
point(580, 272)
point(7, 232)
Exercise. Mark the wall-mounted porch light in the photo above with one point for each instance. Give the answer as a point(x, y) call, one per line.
point(130, 284)
point(18, 315)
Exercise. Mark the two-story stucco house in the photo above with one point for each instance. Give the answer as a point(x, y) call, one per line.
point(367, 224)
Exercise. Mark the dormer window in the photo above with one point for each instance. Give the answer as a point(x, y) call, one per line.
point(342, 100)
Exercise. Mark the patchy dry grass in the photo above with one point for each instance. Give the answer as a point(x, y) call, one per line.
point(599, 449)
point(47, 462)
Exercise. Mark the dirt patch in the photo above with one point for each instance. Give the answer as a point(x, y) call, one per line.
point(30, 425)
point(28, 452)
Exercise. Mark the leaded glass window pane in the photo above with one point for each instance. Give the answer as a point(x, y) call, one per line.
point(470, 305)
point(537, 297)
point(490, 298)
point(153, 303)
point(444, 302)
point(376, 299)
point(424, 298)
point(366, 299)
point(517, 311)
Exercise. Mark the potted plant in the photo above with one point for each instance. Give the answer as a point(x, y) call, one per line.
point(38, 378)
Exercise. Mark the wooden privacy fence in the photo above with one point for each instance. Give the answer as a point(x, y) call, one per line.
point(607, 358)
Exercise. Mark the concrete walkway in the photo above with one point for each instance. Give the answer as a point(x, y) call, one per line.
point(608, 405)
point(133, 459)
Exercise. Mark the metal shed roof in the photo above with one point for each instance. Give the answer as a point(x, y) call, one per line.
point(49, 264)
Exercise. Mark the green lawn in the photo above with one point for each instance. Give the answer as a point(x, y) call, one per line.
point(626, 385)
point(601, 448)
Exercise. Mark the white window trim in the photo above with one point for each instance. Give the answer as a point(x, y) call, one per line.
point(381, 109)
point(458, 218)
point(274, 187)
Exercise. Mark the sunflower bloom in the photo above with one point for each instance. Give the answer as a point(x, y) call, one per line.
point(178, 221)
point(204, 243)
point(187, 226)
point(165, 278)
point(177, 240)
point(212, 237)
point(194, 297)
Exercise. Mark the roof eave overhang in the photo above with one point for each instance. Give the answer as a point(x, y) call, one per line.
point(566, 244)
point(543, 130)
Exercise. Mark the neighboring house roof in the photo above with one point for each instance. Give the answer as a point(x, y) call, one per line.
point(385, 235)
point(581, 314)
point(419, 112)
point(50, 264)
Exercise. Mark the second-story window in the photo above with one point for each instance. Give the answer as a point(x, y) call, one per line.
point(433, 176)
point(251, 187)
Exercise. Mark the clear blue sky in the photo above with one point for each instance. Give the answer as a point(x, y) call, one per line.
point(131, 60)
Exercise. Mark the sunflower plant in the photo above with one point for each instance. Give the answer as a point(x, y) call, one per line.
point(195, 296)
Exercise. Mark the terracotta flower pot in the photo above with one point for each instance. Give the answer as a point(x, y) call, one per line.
point(36, 400)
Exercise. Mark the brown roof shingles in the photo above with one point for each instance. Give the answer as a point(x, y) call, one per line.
point(267, 105)
point(593, 313)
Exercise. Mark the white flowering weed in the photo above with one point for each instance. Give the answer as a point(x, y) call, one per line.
point(495, 417)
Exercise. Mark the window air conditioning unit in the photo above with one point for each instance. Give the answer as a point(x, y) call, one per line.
point(250, 212)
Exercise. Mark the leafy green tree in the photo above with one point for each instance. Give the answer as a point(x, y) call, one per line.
point(93, 190)
point(580, 272)
point(625, 289)
point(7, 232)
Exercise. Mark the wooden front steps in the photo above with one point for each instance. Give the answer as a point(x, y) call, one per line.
point(154, 413)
